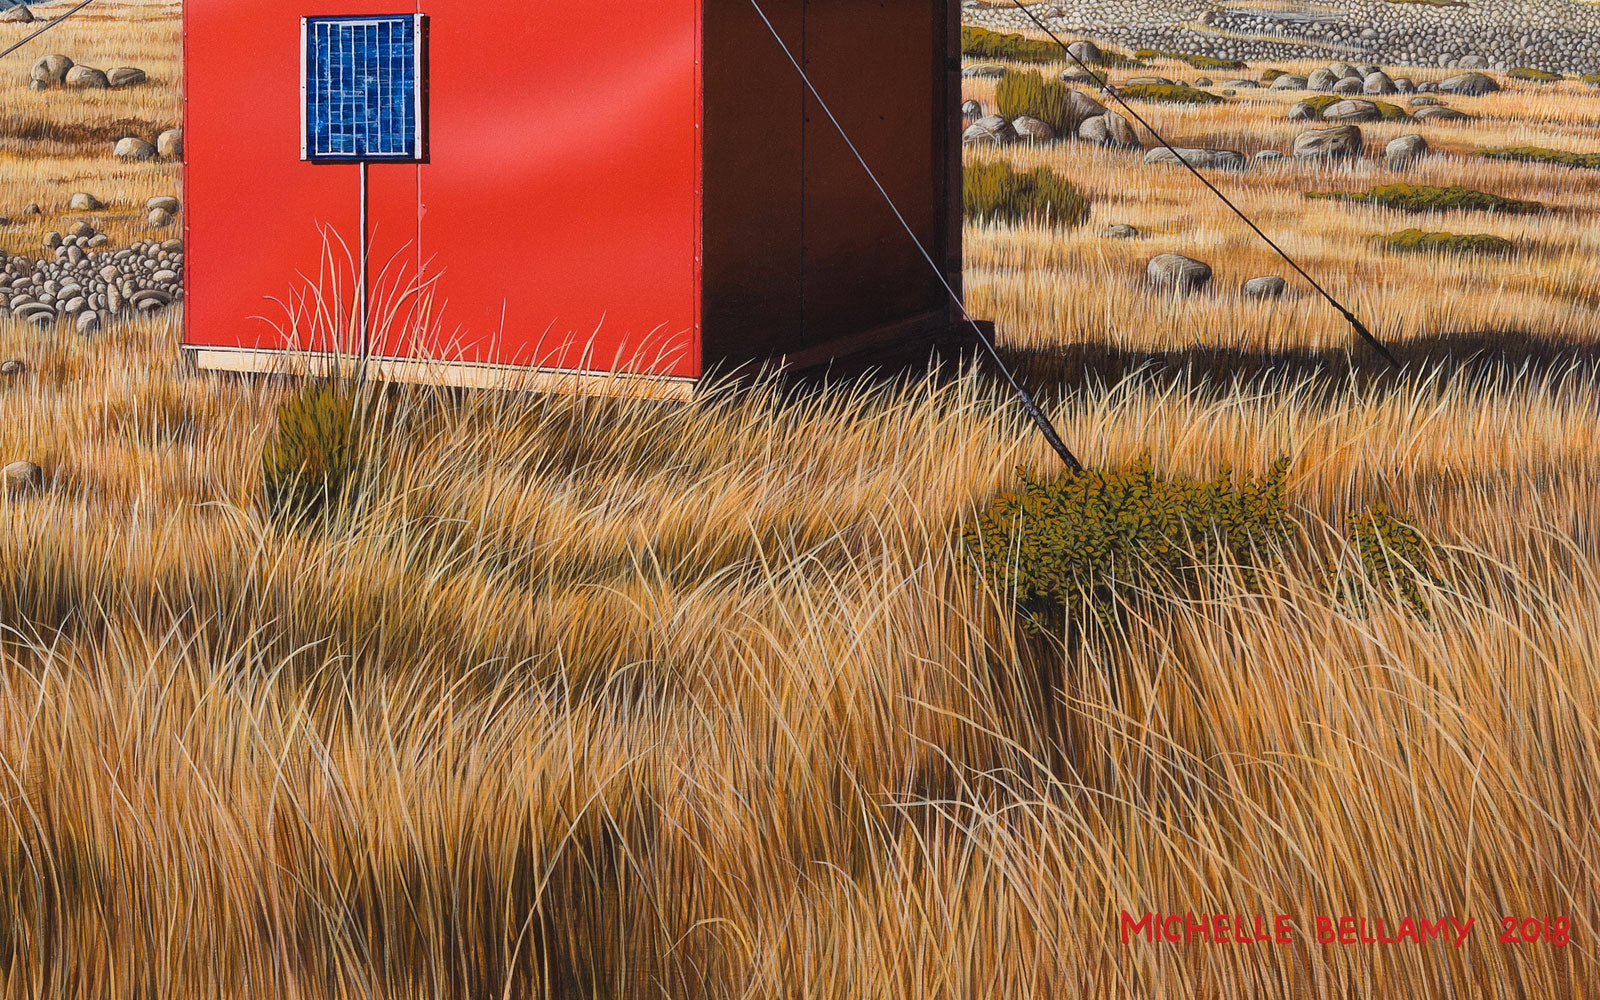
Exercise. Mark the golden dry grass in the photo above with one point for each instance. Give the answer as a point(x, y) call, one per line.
point(615, 699)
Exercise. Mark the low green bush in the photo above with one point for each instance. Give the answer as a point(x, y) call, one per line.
point(1397, 563)
point(1390, 112)
point(1173, 93)
point(1592, 79)
point(994, 191)
point(1069, 547)
point(1418, 241)
point(1270, 75)
point(981, 43)
point(1535, 75)
point(312, 466)
point(1424, 198)
point(1193, 59)
point(1539, 154)
point(1031, 93)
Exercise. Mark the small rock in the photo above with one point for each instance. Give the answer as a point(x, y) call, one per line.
point(1110, 129)
point(17, 15)
point(82, 230)
point(1470, 85)
point(1177, 273)
point(1378, 83)
point(88, 322)
point(21, 478)
point(1322, 79)
point(159, 218)
point(1343, 142)
point(51, 70)
point(1442, 114)
point(86, 78)
point(1289, 83)
point(1086, 52)
point(992, 130)
point(134, 148)
point(1404, 85)
point(85, 202)
point(1352, 111)
point(1220, 159)
point(1121, 231)
point(12, 368)
point(126, 76)
point(32, 209)
point(164, 275)
point(1028, 128)
point(52, 240)
point(1269, 156)
point(1426, 102)
point(1404, 151)
point(169, 144)
point(1304, 111)
point(1348, 86)
point(984, 71)
point(971, 111)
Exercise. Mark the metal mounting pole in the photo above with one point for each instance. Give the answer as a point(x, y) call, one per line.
point(364, 290)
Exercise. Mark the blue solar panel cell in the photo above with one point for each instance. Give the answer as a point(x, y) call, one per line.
point(362, 79)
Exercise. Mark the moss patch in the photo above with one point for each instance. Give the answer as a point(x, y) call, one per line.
point(1423, 198)
point(1535, 75)
point(1271, 75)
point(1173, 93)
point(1592, 79)
point(1418, 241)
point(1193, 59)
point(981, 43)
point(1539, 154)
point(995, 191)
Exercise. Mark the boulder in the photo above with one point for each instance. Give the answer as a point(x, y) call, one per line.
point(1352, 111)
point(87, 322)
point(1205, 81)
point(1218, 159)
point(1378, 83)
point(971, 111)
point(1031, 129)
point(126, 76)
point(17, 15)
point(1470, 85)
point(20, 478)
point(992, 130)
point(1442, 115)
point(1081, 106)
point(1366, 69)
point(1267, 287)
point(1289, 83)
point(1343, 142)
point(1322, 79)
point(1304, 111)
point(169, 144)
point(1121, 231)
point(1110, 130)
point(1341, 69)
point(134, 148)
point(86, 78)
point(984, 71)
point(165, 202)
point(1176, 273)
point(1086, 52)
point(1349, 85)
point(85, 202)
point(1404, 151)
point(1403, 85)
point(51, 70)
point(160, 217)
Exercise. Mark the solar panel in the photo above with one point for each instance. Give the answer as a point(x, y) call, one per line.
point(362, 87)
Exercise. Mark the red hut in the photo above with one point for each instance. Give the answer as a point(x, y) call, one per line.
point(570, 191)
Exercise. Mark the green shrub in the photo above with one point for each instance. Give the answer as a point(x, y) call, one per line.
point(1175, 93)
point(1539, 154)
point(1423, 198)
point(1193, 59)
point(1030, 93)
point(1417, 241)
point(1396, 561)
point(1267, 76)
point(1592, 79)
point(1390, 112)
point(981, 43)
point(1534, 75)
point(994, 191)
point(313, 464)
point(1065, 547)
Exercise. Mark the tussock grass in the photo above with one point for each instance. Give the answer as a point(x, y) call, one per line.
point(1170, 93)
point(994, 191)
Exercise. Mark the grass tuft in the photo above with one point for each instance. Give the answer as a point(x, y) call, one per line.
point(1031, 93)
point(1532, 75)
point(995, 191)
point(1193, 59)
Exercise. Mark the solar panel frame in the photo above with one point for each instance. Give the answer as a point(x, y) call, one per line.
point(348, 111)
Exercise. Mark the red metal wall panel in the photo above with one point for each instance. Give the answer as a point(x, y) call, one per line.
point(556, 222)
point(260, 224)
